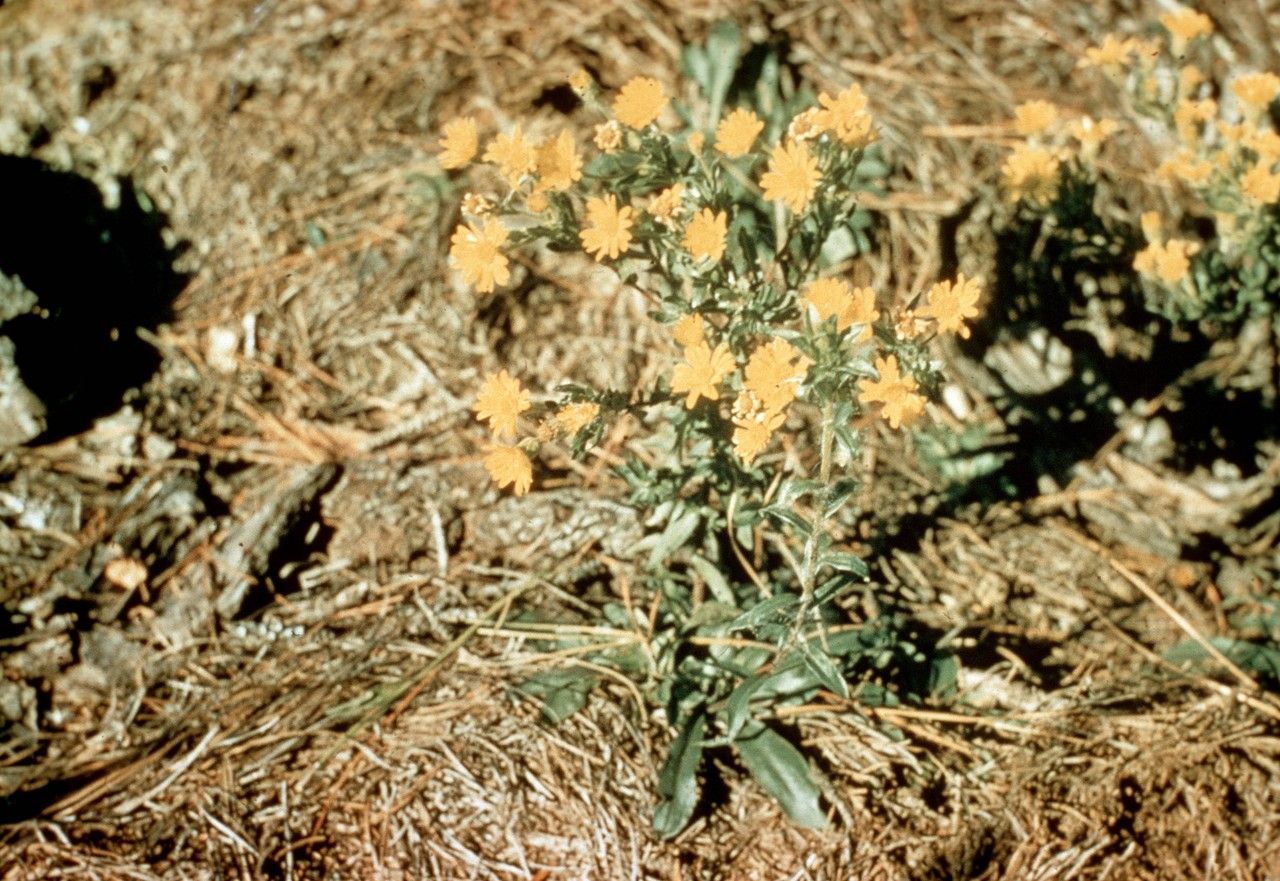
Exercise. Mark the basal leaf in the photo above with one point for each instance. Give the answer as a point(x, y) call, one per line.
point(678, 782)
point(783, 773)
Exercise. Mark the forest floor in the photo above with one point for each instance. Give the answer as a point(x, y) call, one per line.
point(259, 503)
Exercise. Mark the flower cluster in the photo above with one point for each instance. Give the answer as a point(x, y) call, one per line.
point(1225, 155)
point(759, 325)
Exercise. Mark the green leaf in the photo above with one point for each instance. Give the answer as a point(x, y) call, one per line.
point(722, 52)
point(678, 782)
point(783, 773)
point(677, 533)
point(825, 670)
point(1249, 656)
point(943, 672)
point(737, 708)
point(716, 582)
point(839, 247)
point(844, 562)
point(562, 692)
point(790, 518)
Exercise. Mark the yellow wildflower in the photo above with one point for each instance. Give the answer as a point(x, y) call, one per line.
point(705, 234)
point(575, 417)
point(1184, 166)
point(608, 231)
point(501, 401)
point(1031, 173)
point(1266, 143)
point(1189, 79)
point(512, 154)
point(804, 125)
point(689, 330)
point(667, 204)
point(460, 142)
point(1152, 225)
point(1111, 55)
point(509, 466)
point(580, 81)
point(737, 132)
point(559, 165)
point(537, 201)
point(951, 305)
point(478, 256)
point(1184, 25)
point(696, 141)
point(476, 204)
point(1091, 134)
point(1170, 262)
point(639, 102)
point(845, 116)
point(861, 310)
point(754, 425)
point(897, 394)
point(828, 297)
point(608, 136)
point(774, 373)
point(701, 372)
point(1033, 117)
point(792, 176)
point(1260, 184)
point(909, 325)
point(1256, 91)
point(1188, 115)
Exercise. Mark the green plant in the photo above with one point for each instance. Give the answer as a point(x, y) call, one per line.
point(739, 246)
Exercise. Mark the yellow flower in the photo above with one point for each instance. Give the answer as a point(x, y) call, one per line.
point(509, 465)
point(697, 140)
point(705, 234)
point(639, 102)
point(501, 401)
point(1256, 91)
point(754, 425)
point(831, 296)
point(792, 176)
point(559, 164)
point(575, 417)
point(476, 204)
point(774, 373)
point(608, 232)
point(1266, 143)
point(580, 81)
point(897, 393)
point(845, 116)
point(512, 154)
point(828, 297)
point(701, 372)
point(1152, 225)
point(1033, 117)
point(909, 325)
point(1184, 166)
point(861, 310)
point(477, 254)
point(1184, 25)
point(666, 205)
point(688, 331)
point(460, 142)
point(1189, 114)
point(1170, 262)
point(1189, 79)
point(608, 136)
point(537, 201)
point(1112, 54)
point(951, 305)
point(1260, 184)
point(1031, 173)
point(737, 132)
point(1091, 134)
point(804, 126)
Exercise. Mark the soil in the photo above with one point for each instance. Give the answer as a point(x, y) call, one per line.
point(241, 500)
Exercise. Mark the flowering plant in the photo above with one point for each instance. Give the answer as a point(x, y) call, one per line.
point(737, 227)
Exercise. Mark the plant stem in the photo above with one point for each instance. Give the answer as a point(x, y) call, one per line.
point(809, 568)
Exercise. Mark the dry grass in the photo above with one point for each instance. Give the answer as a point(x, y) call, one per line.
point(360, 723)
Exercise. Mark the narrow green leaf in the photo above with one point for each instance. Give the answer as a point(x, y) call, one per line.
point(783, 773)
point(825, 669)
point(844, 562)
point(716, 582)
point(678, 782)
point(561, 692)
point(678, 531)
point(790, 518)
